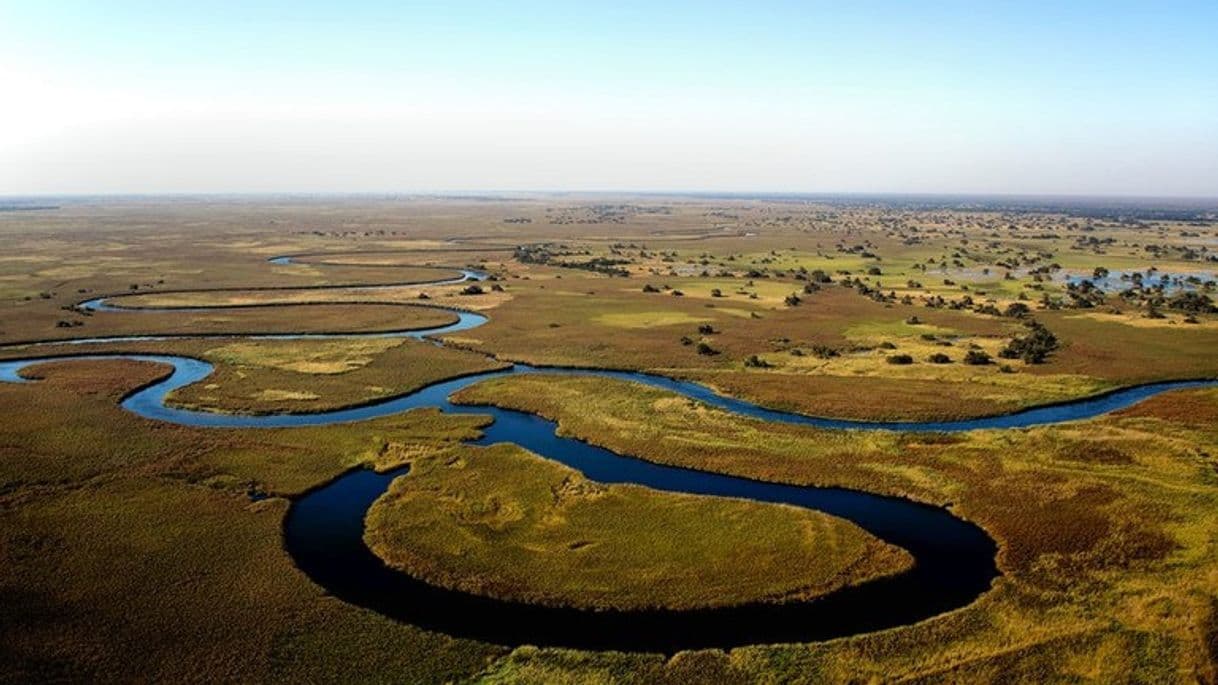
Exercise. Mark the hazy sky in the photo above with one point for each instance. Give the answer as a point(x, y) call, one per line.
point(1066, 96)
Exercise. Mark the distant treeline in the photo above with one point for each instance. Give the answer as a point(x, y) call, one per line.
point(25, 208)
point(1108, 208)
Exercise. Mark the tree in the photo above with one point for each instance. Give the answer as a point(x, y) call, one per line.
point(1017, 310)
point(1032, 348)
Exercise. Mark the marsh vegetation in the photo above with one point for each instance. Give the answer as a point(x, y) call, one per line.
point(1103, 525)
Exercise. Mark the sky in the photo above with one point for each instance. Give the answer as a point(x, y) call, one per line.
point(1080, 97)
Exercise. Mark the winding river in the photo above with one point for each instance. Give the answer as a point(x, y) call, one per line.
point(323, 531)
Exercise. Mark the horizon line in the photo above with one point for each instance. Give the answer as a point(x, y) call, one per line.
point(710, 194)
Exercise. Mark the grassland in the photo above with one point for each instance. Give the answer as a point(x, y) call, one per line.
point(304, 318)
point(1105, 527)
point(265, 376)
point(503, 522)
point(317, 375)
point(131, 549)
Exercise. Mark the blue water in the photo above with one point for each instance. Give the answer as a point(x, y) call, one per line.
point(1171, 283)
point(149, 402)
point(323, 532)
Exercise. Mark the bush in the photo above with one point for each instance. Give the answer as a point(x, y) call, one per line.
point(1017, 310)
point(473, 289)
point(707, 329)
point(1192, 302)
point(977, 358)
point(649, 288)
point(900, 359)
point(705, 349)
point(755, 362)
point(1032, 348)
point(824, 351)
point(939, 358)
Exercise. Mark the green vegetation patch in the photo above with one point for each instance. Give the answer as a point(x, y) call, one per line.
point(648, 319)
point(305, 356)
point(503, 522)
point(259, 376)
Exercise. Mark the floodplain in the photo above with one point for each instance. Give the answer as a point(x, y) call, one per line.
point(132, 548)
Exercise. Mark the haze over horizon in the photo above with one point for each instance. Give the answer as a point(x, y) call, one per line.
point(1012, 99)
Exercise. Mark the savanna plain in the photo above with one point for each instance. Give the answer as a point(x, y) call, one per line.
point(138, 549)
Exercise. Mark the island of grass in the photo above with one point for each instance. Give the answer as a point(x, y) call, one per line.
point(267, 376)
point(503, 522)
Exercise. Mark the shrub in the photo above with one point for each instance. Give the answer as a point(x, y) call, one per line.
point(1017, 310)
point(977, 358)
point(939, 358)
point(1032, 348)
point(705, 349)
point(1192, 302)
point(755, 362)
point(824, 351)
point(900, 359)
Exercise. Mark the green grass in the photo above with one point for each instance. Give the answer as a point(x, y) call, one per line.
point(503, 522)
point(317, 375)
point(128, 549)
point(1104, 527)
